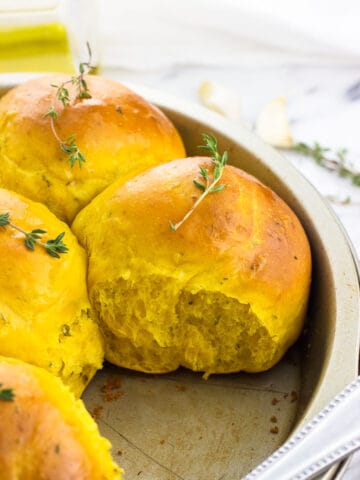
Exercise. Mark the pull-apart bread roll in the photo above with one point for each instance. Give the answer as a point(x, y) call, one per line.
point(225, 292)
point(45, 432)
point(45, 315)
point(117, 131)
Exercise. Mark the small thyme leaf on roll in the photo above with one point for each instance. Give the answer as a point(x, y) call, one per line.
point(56, 246)
point(62, 95)
point(209, 182)
point(334, 162)
point(53, 247)
point(6, 394)
point(4, 219)
point(72, 150)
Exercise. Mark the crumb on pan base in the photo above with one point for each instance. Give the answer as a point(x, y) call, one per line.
point(226, 292)
point(46, 433)
point(45, 315)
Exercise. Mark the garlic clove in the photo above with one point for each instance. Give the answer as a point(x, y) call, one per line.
point(272, 124)
point(220, 99)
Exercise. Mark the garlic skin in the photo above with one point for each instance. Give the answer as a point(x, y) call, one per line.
point(272, 124)
point(220, 99)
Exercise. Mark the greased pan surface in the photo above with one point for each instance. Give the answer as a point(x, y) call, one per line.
point(178, 426)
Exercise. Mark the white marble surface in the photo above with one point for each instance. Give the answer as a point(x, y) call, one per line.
point(318, 106)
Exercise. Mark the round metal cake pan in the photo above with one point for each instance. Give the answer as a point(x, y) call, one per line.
point(179, 426)
point(333, 327)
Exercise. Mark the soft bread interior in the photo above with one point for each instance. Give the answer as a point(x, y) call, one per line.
point(154, 323)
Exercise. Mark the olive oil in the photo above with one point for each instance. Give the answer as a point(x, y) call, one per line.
point(40, 48)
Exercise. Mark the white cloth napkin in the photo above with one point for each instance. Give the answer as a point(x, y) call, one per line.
point(229, 32)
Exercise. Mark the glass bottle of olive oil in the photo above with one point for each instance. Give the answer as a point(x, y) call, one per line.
point(45, 35)
point(36, 48)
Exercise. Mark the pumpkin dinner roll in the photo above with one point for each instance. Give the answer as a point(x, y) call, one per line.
point(45, 315)
point(225, 292)
point(118, 132)
point(45, 432)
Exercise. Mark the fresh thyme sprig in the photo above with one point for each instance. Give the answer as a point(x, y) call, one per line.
point(68, 145)
point(6, 394)
point(210, 184)
point(336, 162)
point(53, 247)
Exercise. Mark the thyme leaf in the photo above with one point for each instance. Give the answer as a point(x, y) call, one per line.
point(72, 150)
point(4, 219)
point(53, 247)
point(210, 185)
point(56, 246)
point(6, 394)
point(332, 161)
point(51, 112)
point(62, 95)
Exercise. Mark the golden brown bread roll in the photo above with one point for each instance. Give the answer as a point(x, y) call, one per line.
point(226, 292)
point(119, 133)
point(45, 433)
point(45, 314)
